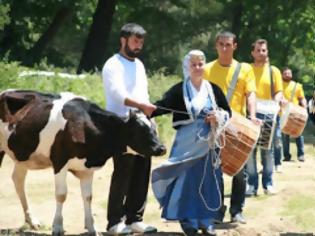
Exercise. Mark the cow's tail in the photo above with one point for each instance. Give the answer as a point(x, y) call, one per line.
point(1, 156)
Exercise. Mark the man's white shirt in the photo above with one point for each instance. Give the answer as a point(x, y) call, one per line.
point(311, 106)
point(123, 79)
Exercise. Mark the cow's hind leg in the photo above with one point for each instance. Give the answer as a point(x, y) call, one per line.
point(61, 195)
point(86, 178)
point(18, 177)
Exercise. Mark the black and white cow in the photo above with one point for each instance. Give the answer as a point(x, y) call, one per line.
point(68, 133)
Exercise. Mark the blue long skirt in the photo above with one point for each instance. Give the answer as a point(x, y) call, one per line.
point(187, 186)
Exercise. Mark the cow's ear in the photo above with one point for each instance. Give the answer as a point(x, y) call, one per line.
point(75, 125)
point(16, 106)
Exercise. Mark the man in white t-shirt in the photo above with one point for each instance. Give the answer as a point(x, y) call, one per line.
point(126, 88)
point(311, 108)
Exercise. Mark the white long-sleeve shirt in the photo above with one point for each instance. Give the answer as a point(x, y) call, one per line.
point(124, 79)
point(311, 105)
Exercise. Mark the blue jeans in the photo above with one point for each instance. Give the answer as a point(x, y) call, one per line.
point(277, 143)
point(267, 161)
point(286, 146)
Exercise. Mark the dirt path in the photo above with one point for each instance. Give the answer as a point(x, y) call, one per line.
point(290, 212)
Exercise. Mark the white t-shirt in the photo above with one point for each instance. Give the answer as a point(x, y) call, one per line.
point(124, 79)
point(311, 106)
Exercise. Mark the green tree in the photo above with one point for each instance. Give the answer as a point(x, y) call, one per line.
point(4, 15)
point(80, 35)
point(288, 26)
point(34, 54)
point(51, 29)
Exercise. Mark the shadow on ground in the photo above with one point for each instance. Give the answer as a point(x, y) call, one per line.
point(26, 232)
point(296, 234)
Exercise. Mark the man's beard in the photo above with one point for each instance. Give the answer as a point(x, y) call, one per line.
point(262, 59)
point(132, 54)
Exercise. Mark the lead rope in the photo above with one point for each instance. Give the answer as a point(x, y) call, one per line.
point(216, 140)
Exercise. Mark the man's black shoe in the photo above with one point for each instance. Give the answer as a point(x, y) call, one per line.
point(190, 231)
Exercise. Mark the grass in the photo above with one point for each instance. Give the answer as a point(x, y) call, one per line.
point(301, 209)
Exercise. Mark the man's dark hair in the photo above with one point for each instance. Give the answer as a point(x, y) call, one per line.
point(132, 29)
point(286, 68)
point(260, 42)
point(225, 34)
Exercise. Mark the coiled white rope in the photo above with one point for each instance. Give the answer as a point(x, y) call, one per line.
point(216, 141)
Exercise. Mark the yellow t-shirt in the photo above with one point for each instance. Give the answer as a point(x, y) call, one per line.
point(222, 76)
point(262, 78)
point(288, 88)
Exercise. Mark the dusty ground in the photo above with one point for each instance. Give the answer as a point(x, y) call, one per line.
point(290, 212)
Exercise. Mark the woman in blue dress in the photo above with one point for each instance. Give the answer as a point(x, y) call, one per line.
point(187, 185)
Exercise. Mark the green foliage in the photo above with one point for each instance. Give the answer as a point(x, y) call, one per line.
point(158, 85)
point(4, 17)
point(90, 86)
point(30, 19)
point(174, 27)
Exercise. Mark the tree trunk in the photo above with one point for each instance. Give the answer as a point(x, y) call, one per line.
point(34, 54)
point(8, 42)
point(237, 11)
point(95, 46)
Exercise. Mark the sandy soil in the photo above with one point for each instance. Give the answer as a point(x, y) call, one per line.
point(266, 215)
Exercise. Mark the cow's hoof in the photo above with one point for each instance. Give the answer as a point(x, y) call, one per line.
point(35, 226)
point(58, 231)
point(33, 223)
point(94, 234)
point(90, 227)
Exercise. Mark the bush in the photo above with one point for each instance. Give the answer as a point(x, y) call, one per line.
point(90, 86)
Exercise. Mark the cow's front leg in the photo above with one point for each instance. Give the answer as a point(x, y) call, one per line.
point(61, 195)
point(86, 179)
point(18, 177)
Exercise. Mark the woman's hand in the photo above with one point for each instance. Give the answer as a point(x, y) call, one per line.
point(211, 119)
point(283, 102)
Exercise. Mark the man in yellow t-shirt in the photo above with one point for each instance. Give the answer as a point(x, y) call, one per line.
point(293, 92)
point(264, 74)
point(221, 72)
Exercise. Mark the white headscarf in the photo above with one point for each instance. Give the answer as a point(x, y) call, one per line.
point(186, 61)
point(186, 74)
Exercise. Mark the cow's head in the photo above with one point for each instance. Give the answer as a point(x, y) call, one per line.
point(142, 135)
